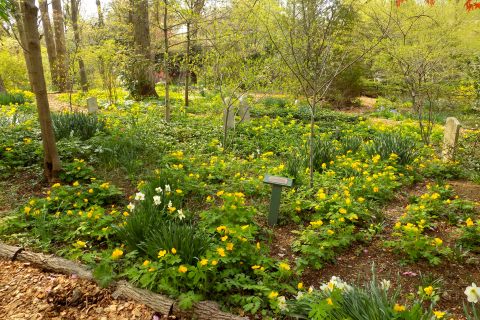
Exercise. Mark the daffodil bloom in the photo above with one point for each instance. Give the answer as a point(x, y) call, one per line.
point(182, 269)
point(157, 200)
point(139, 196)
point(428, 290)
point(181, 215)
point(158, 190)
point(473, 293)
point(330, 301)
point(167, 188)
point(116, 254)
point(131, 206)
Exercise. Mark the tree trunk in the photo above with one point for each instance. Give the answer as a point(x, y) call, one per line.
point(49, 41)
point(21, 33)
point(187, 65)
point(59, 31)
point(2, 86)
point(52, 164)
point(165, 61)
point(74, 4)
point(100, 14)
point(141, 37)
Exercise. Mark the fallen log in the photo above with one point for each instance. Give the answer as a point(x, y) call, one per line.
point(204, 310)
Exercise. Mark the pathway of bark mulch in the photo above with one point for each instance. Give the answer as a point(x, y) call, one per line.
point(28, 293)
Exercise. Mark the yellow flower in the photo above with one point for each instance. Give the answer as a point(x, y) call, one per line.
point(469, 222)
point(300, 285)
point(438, 314)
point(229, 246)
point(284, 266)
point(179, 191)
point(224, 238)
point(126, 214)
point(219, 193)
point(151, 269)
point(27, 210)
point(209, 198)
point(273, 295)
point(75, 184)
point(375, 189)
point(182, 269)
point(399, 308)
point(56, 185)
point(342, 210)
point(174, 251)
point(221, 252)
point(214, 262)
point(221, 228)
point(162, 253)
point(203, 262)
point(80, 244)
point(317, 223)
point(255, 267)
point(258, 245)
point(438, 241)
point(330, 232)
point(146, 263)
point(330, 301)
point(90, 190)
point(360, 199)
point(428, 290)
point(116, 254)
point(171, 209)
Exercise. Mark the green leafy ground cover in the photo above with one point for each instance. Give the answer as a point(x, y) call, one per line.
point(172, 209)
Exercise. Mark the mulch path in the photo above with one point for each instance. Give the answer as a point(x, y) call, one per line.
point(28, 293)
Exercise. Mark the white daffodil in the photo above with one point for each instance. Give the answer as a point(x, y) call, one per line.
point(473, 293)
point(159, 190)
point(282, 303)
point(139, 196)
point(131, 206)
point(181, 215)
point(167, 188)
point(157, 200)
point(299, 295)
point(170, 204)
point(385, 284)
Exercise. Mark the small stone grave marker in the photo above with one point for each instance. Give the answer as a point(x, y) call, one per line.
point(92, 105)
point(277, 184)
point(450, 138)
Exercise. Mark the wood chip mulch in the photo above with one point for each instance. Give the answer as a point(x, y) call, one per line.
point(29, 293)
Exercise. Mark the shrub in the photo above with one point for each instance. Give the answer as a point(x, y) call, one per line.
point(78, 124)
point(387, 143)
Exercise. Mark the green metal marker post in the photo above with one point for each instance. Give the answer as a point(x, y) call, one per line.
point(277, 184)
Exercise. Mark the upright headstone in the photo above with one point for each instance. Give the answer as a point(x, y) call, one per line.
point(229, 114)
point(450, 138)
point(244, 110)
point(92, 105)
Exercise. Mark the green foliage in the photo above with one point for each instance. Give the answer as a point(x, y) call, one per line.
point(387, 143)
point(323, 152)
point(78, 170)
point(76, 124)
point(11, 98)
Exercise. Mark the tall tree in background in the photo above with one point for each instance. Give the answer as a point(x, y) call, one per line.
point(49, 41)
point(144, 84)
point(74, 6)
point(22, 37)
point(166, 60)
point(60, 45)
point(100, 13)
point(52, 165)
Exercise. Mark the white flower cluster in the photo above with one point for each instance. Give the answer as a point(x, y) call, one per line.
point(335, 282)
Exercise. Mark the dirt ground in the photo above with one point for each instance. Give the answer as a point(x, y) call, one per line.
point(28, 293)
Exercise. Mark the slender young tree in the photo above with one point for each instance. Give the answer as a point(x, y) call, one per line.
point(52, 165)
point(166, 60)
point(2, 86)
point(60, 45)
point(74, 6)
point(143, 73)
point(49, 41)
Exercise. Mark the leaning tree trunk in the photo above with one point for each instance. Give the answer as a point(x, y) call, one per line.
point(76, 33)
point(49, 41)
point(52, 164)
point(59, 31)
point(22, 38)
point(141, 37)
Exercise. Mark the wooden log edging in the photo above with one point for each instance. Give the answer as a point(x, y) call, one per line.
point(203, 310)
